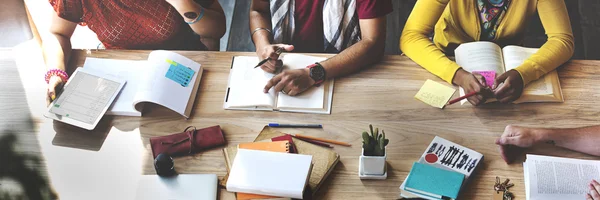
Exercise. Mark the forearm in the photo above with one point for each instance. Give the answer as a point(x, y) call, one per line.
point(57, 51)
point(260, 18)
point(584, 139)
point(212, 23)
point(352, 59)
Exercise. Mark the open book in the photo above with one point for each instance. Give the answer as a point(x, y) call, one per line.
point(554, 178)
point(165, 78)
point(246, 84)
point(487, 56)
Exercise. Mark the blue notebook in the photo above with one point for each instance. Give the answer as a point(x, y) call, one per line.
point(434, 182)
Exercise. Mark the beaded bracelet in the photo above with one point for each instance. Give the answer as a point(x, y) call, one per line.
point(56, 72)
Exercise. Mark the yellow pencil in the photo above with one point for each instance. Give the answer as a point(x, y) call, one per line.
point(322, 140)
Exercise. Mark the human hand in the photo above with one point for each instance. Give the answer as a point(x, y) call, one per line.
point(514, 140)
point(55, 86)
point(291, 82)
point(269, 51)
point(472, 83)
point(594, 193)
point(508, 86)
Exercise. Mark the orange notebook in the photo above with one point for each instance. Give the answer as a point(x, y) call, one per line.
point(279, 146)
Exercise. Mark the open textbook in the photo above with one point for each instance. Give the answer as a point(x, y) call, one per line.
point(165, 78)
point(487, 56)
point(555, 178)
point(246, 84)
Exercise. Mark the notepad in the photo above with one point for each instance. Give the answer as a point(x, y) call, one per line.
point(434, 182)
point(435, 94)
point(269, 173)
point(180, 187)
point(246, 85)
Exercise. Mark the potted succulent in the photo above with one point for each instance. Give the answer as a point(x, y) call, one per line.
point(372, 159)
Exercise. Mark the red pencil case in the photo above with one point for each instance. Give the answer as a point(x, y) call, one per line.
point(190, 141)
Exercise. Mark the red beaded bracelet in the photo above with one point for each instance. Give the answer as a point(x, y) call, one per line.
point(56, 72)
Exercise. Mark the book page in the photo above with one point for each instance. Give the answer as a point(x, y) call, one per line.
point(514, 56)
point(480, 56)
point(171, 82)
point(312, 98)
point(246, 84)
point(133, 71)
point(559, 178)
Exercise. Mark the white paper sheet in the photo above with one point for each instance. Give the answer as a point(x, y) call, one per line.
point(180, 187)
point(269, 173)
point(309, 99)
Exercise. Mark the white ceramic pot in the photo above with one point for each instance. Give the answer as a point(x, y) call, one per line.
point(372, 165)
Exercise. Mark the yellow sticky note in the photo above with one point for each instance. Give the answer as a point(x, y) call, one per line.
point(435, 94)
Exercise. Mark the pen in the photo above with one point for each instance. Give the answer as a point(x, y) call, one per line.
point(322, 140)
point(277, 51)
point(461, 98)
point(295, 125)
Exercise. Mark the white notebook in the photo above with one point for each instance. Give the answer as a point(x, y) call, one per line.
point(246, 84)
point(161, 79)
point(269, 173)
point(180, 187)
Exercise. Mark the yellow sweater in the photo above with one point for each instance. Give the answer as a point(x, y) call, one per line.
point(457, 22)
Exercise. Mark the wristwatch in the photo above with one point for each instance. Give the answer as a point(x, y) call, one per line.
point(317, 73)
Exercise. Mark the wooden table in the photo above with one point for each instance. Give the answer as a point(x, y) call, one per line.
point(106, 162)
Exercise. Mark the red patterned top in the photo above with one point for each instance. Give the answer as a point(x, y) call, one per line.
point(132, 24)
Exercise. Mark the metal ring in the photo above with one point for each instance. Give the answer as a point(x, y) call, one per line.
point(283, 91)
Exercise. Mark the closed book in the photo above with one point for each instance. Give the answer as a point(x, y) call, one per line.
point(324, 159)
point(277, 146)
point(431, 181)
point(261, 172)
point(445, 154)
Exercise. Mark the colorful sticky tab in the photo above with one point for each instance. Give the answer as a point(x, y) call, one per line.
point(435, 94)
point(179, 73)
point(489, 76)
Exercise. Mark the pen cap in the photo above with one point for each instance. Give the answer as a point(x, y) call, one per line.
point(164, 165)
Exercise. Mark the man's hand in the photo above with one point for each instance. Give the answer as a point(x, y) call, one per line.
point(594, 193)
point(291, 82)
point(514, 140)
point(55, 86)
point(508, 87)
point(269, 51)
point(472, 82)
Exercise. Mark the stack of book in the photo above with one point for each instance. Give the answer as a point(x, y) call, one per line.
point(270, 140)
point(441, 172)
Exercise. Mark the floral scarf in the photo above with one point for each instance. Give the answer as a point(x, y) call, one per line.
point(491, 13)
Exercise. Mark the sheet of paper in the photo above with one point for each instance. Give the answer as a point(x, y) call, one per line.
point(480, 56)
point(157, 88)
point(435, 94)
point(554, 178)
point(85, 98)
point(312, 98)
point(489, 76)
point(180, 187)
point(269, 173)
point(246, 84)
point(133, 71)
point(514, 56)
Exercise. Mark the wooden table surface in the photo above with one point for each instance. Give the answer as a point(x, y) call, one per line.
point(106, 162)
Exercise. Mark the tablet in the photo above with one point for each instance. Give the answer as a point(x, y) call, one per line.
point(85, 98)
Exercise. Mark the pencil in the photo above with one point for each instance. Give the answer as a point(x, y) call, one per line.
point(461, 98)
point(322, 140)
point(313, 142)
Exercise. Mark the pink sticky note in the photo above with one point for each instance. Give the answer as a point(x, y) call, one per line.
point(489, 76)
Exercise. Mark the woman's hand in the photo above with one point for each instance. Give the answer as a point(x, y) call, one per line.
point(472, 83)
point(508, 87)
point(269, 51)
point(55, 86)
point(291, 82)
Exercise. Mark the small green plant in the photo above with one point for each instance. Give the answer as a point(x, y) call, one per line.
point(374, 144)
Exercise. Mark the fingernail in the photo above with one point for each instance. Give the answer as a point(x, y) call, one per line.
point(596, 182)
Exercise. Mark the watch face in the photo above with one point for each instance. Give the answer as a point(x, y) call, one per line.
point(317, 73)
